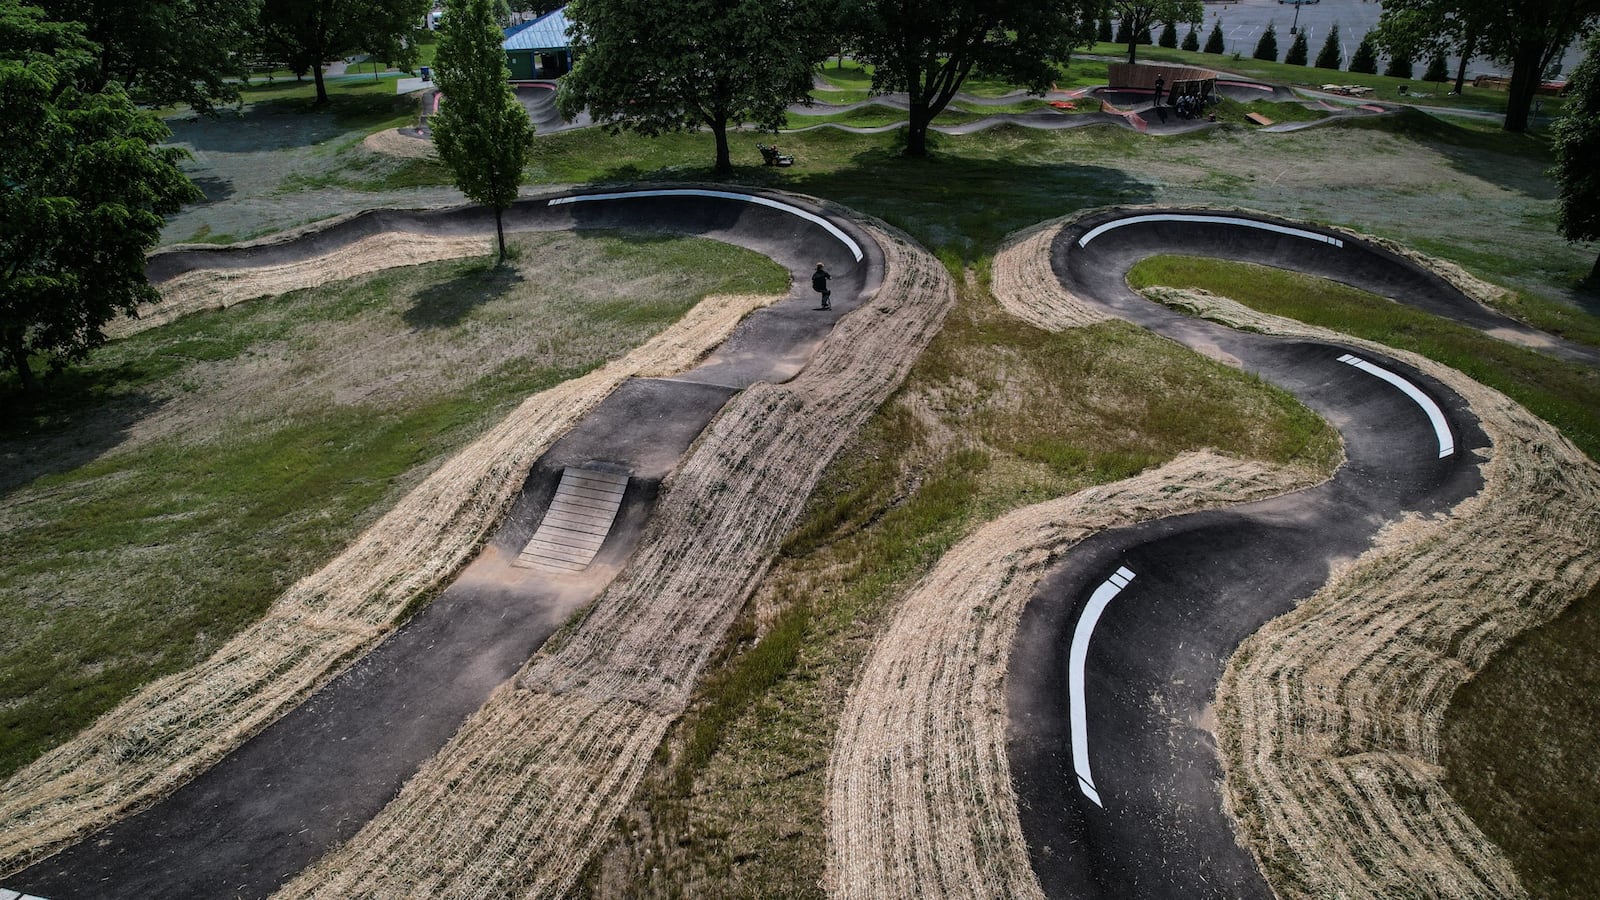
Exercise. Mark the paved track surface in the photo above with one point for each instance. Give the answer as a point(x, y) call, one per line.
point(1119, 785)
point(314, 777)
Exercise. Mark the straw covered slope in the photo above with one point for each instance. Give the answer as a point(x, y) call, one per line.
point(527, 791)
point(177, 726)
point(920, 800)
point(1330, 715)
point(919, 788)
point(222, 288)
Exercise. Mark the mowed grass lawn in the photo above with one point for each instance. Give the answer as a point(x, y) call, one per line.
point(167, 490)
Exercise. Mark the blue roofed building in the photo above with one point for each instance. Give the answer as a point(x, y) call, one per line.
point(541, 48)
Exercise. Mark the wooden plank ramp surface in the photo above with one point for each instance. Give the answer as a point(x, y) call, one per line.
point(579, 518)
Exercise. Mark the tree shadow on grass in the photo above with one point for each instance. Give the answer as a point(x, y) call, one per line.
point(69, 425)
point(968, 205)
point(446, 304)
point(284, 123)
point(1515, 162)
point(965, 197)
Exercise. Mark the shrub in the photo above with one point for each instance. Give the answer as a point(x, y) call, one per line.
point(1365, 59)
point(1267, 47)
point(1104, 34)
point(1169, 35)
point(1298, 51)
point(1400, 66)
point(1437, 70)
point(1328, 56)
point(1214, 40)
point(1191, 41)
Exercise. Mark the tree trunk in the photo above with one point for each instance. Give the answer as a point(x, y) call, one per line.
point(1468, 48)
point(1524, 84)
point(724, 164)
point(19, 361)
point(322, 89)
point(1133, 45)
point(918, 120)
point(500, 232)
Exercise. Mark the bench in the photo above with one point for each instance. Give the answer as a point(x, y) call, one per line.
point(770, 156)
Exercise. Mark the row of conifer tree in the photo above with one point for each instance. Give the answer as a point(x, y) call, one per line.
point(1364, 60)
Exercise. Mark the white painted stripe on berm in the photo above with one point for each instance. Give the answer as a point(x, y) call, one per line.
point(849, 242)
point(1102, 597)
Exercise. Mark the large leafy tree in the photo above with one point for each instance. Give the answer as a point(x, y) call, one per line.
point(1429, 27)
point(482, 132)
point(309, 33)
point(165, 51)
point(83, 192)
point(1577, 146)
point(1529, 36)
point(927, 48)
point(1138, 15)
point(654, 68)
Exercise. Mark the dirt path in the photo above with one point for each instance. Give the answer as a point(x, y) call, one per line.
point(527, 791)
point(1329, 716)
point(920, 796)
point(174, 727)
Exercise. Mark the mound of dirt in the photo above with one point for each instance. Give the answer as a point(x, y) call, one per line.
point(390, 142)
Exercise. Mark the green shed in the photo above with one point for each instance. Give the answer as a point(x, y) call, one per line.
point(541, 48)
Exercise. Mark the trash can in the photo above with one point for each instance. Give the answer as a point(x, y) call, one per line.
point(427, 73)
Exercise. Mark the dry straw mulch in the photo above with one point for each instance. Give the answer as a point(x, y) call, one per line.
point(222, 288)
point(1330, 715)
point(529, 788)
point(1028, 288)
point(177, 726)
point(390, 142)
point(920, 799)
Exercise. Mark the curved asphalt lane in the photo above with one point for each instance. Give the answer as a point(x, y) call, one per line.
point(314, 777)
point(1115, 663)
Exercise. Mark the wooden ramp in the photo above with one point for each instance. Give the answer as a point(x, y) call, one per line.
point(580, 517)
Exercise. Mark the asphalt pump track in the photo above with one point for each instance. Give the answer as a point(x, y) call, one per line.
point(1111, 736)
point(1111, 742)
point(310, 780)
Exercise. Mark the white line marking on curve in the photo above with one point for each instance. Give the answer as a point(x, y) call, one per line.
point(1098, 601)
point(1441, 426)
point(1214, 220)
point(831, 228)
